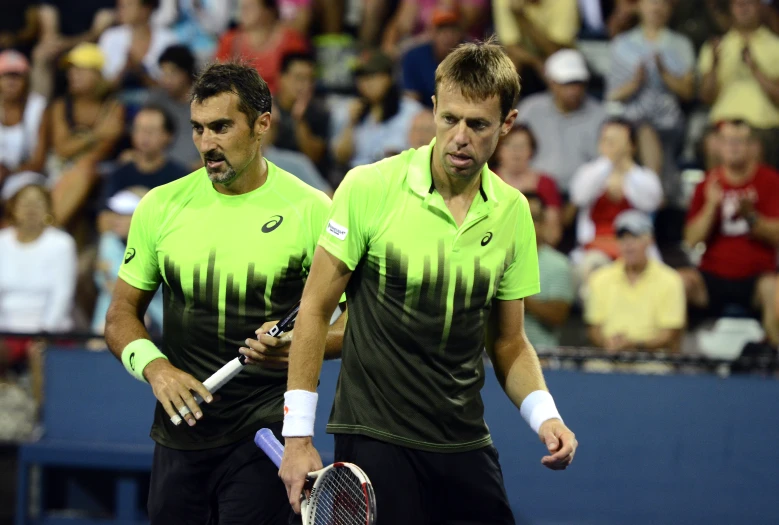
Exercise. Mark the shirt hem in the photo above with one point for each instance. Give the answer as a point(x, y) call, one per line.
point(409, 443)
point(207, 445)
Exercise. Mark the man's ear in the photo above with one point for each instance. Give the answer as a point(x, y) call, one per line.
point(508, 122)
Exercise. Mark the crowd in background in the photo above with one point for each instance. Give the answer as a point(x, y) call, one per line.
point(646, 142)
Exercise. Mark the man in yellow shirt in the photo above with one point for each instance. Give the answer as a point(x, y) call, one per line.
point(533, 30)
point(740, 76)
point(635, 302)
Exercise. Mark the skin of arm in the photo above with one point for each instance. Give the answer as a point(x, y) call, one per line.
point(551, 313)
point(698, 229)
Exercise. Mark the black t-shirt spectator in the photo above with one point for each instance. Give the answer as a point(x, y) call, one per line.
point(317, 118)
point(129, 176)
point(76, 16)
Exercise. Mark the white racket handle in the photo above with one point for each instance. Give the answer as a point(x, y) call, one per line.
point(221, 377)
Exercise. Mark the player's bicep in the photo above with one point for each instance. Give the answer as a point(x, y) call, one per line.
point(325, 284)
point(128, 299)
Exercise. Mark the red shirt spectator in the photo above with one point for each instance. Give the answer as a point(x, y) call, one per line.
point(261, 40)
point(731, 251)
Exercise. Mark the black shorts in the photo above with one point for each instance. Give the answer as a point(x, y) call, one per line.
point(729, 292)
point(231, 485)
point(414, 487)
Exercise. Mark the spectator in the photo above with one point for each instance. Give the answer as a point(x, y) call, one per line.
point(199, 23)
point(564, 119)
point(547, 311)
point(735, 212)
point(19, 27)
point(149, 166)
point(177, 71)
point(422, 129)
point(110, 256)
point(636, 302)
point(651, 70)
point(414, 17)
point(514, 153)
point(37, 267)
point(301, 122)
point(297, 14)
point(133, 48)
point(700, 23)
point(299, 165)
point(63, 25)
point(86, 124)
point(378, 122)
point(604, 188)
point(740, 78)
point(261, 40)
point(21, 118)
point(532, 31)
point(419, 63)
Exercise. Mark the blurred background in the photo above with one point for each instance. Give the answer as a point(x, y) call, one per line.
point(647, 144)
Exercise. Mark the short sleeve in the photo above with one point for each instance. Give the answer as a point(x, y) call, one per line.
point(673, 314)
point(140, 268)
point(705, 59)
point(349, 226)
point(505, 23)
point(521, 278)
point(560, 285)
point(768, 196)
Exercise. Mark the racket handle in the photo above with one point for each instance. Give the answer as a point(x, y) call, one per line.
point(222, 376)
point(268, 443)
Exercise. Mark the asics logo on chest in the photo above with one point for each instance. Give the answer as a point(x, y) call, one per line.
point(486, 239)
point(272, 224)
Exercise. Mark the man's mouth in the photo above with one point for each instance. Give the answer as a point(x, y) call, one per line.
point(460, 160)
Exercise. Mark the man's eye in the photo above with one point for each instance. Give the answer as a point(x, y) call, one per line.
point(449, 119)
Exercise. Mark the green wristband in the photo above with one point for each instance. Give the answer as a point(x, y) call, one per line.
point(137, 355)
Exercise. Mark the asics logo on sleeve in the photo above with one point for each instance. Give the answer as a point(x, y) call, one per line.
point(132, 360)
point(272, 224)
point(129, 255)
point(486, 239)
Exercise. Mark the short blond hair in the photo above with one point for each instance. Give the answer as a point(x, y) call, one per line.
point(480, 70)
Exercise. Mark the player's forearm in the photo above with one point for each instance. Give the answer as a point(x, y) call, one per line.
point(308, 350)
point(122, 327)
point(335, 337)
point(520, 375)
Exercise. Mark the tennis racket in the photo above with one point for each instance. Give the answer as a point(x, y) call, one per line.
point(222, 376)
point(340, 494)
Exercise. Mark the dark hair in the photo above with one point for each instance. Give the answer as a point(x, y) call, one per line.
point(253, 94)
point(737, 122)
point(625, 123)
point(152, 4)
point(167, 119)
point(480, 70)
point(533, 196)
point(181, 57)
point(296, 56)
point(531, 137)
point(390, 105)
point(273, 5)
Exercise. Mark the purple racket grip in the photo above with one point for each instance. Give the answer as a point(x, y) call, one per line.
point(268, 443)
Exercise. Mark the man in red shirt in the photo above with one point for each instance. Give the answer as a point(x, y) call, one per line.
point(735, 212)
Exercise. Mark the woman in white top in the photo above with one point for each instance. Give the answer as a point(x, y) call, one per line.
point(37, 267)
point(21, 114)
point(379, 120)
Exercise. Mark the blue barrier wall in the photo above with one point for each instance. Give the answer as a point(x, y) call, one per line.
point(653, 450)
point(660, 450)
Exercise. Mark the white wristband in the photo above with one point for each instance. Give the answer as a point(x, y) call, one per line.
point(538, 407)
point(299, 413)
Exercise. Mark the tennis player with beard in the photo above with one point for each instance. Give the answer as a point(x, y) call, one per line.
point(231, 244)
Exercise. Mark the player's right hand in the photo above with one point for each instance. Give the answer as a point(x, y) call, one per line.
point(300, 458)
point(172, 388)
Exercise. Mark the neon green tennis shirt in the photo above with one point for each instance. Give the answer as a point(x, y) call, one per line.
point(227, 265)
point(419, 296)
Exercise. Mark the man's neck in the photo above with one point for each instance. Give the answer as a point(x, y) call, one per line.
point(150, 163)
point(746, 32)
point(739, 175)
point(25, 235)
point(651, 32)
point(634, 271)
point(142, 27)
point(254, 175)
point(562, 109)
point(450, 187)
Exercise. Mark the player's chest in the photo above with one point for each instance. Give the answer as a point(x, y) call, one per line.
point(235, 239)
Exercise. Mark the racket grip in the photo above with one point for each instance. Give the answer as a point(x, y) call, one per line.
point(268, 443)
point(222, 376)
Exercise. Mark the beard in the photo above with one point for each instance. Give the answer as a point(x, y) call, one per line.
point(225, 174)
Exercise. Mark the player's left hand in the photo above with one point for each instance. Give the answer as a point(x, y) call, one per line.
point(267, 351)
point(560, 442)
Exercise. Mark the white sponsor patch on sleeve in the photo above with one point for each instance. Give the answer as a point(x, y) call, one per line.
point(336, 230)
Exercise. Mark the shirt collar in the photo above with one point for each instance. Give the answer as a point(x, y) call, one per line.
point(420, 178)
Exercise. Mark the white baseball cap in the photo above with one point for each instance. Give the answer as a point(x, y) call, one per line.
point(20, 180)
point(566, 66)
point(124, 202)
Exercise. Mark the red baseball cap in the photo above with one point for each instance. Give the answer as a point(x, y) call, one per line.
point(13, 62)
point(445, 17)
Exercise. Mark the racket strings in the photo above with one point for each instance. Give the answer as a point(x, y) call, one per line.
point(339, 499)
